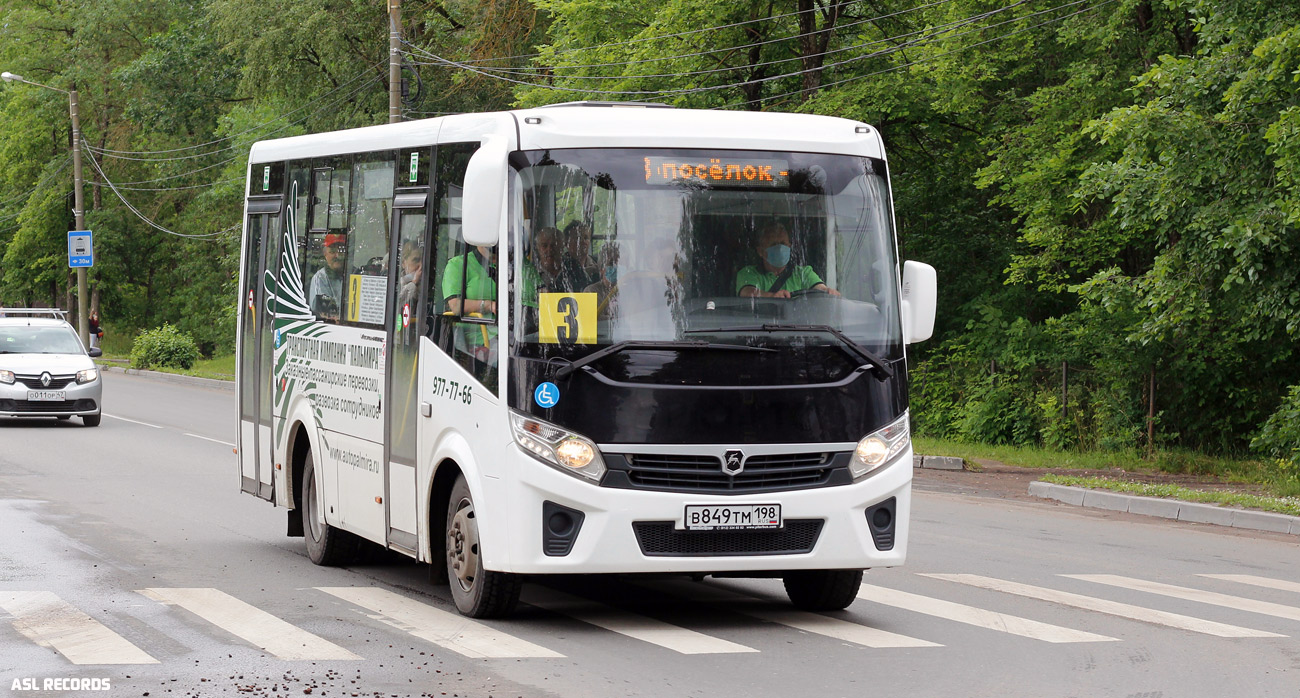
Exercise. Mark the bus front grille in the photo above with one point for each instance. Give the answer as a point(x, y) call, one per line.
point(696, 473)
point(661, 539)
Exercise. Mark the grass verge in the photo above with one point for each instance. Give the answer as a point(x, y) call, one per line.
point(1279, 505)
point(219, 368)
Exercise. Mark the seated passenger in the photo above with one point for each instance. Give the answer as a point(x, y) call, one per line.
point(542, 267)
point(775, 277)
point(606, 289)
point(578, 269)
point(325, 294)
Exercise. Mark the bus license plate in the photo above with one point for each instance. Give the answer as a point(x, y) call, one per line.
point(45, 395)
point(721, 517)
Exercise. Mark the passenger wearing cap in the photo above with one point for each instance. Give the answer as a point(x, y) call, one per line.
point(326, 290)
point(776, 277)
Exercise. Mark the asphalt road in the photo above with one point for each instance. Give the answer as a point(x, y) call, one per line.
point(129, 559)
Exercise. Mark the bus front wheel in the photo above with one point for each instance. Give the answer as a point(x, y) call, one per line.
point(326, 545)
point(478, 593)
point(822, 590)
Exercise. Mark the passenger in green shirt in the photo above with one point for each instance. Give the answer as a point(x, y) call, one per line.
point(774, 249)
point(477, 272)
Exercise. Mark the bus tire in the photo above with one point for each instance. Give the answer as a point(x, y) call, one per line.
point(822, 590)
point(478, 593)
point(326, 545)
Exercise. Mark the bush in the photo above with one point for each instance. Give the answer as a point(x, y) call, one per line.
point(164, 347)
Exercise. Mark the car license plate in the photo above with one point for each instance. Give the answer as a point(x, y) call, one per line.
point(45, 395)
point(718, 517)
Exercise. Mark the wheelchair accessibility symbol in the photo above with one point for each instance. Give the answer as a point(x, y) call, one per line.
point(547, 395)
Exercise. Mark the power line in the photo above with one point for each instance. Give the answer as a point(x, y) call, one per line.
point(930, 30)
point(930, 58)
point(534, 71)
point(121, 154)
point(39, 183)
point(710, 88)
point(145, 218)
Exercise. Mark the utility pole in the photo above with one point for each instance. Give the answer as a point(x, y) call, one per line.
point(394, 61)
point(79, 211)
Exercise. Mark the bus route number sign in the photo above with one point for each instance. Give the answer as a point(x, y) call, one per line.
point(722, 517)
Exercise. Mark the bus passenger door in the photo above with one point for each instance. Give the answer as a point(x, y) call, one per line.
point(405, 327)
point(256, 347)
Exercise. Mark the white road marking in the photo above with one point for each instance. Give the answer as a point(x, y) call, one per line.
point(1146, 615)
point(1256, 581)
point(208, 438)
point(1177, 592)
point(977, 616)
point(448, 630)
point(124, 419)
point(50, 622)
point(814, 623)
point(636, 626)
point(252, 624)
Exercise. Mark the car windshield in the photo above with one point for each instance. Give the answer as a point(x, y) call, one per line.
point(38, 340)
point(772, 249)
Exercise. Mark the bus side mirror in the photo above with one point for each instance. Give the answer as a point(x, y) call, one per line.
point(483, 200)
point(920, 297)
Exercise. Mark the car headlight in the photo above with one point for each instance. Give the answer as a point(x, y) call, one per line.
point(6, 377)
point(87, 375)
point(880, 447)
point(561, 448)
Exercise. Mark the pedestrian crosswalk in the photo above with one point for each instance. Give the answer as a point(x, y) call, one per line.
point(885, 617)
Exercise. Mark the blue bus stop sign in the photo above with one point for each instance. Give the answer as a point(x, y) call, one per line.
point(81, 249)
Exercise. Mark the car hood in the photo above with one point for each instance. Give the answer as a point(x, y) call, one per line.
point(61, 364)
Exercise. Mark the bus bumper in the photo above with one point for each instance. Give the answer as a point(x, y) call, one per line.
point(608, 541)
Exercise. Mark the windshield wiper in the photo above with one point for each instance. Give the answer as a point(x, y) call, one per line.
point(639, 344)
point(879, 366)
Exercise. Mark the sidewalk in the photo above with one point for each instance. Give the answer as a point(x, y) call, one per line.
point(1011, 483)
point(212, 383)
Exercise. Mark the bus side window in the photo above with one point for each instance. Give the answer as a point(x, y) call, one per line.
point(369, 207)
point(466, 282)
point(326, 254)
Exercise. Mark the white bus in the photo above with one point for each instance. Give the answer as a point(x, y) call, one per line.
point(587, 338)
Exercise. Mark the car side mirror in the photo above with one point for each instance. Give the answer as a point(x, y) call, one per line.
point(483, 200)
point(95, 352)
point(920, 298)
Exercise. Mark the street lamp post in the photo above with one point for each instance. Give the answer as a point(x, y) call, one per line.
point(78, 207)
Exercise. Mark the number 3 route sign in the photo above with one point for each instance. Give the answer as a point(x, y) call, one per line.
point(81, 249)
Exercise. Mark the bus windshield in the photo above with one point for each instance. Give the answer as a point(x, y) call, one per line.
point(772, 249)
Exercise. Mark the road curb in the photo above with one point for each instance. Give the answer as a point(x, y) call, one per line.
point(213, 383)
point(1167, 508)
point(938, 462)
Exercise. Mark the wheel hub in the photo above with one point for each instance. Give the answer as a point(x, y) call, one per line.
point(462, 546)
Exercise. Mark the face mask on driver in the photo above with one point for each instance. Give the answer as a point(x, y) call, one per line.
point(778, 255)
point(611, 274)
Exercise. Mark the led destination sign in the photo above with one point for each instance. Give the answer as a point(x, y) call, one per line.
point(738, 172)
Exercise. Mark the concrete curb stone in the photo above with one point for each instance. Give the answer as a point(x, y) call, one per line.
point(938, 462)
point(1167, 508)
point(213, 383)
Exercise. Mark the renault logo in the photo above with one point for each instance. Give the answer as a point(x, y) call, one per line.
point(733, 462)
point(45, 379)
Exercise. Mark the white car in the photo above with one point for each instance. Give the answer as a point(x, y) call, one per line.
point(45, 371)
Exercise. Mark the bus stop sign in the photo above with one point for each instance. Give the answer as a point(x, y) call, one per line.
point(81, 249)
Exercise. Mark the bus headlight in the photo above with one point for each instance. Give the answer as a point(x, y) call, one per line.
point(880, 448)
point(561, 448)
point(7, 377)
point(88, 375)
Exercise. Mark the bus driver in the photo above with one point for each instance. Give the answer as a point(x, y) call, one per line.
point(777, 277)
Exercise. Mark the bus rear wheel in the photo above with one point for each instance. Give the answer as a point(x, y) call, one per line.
point(478, 593)
point(822, 590)
point(326, 545)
